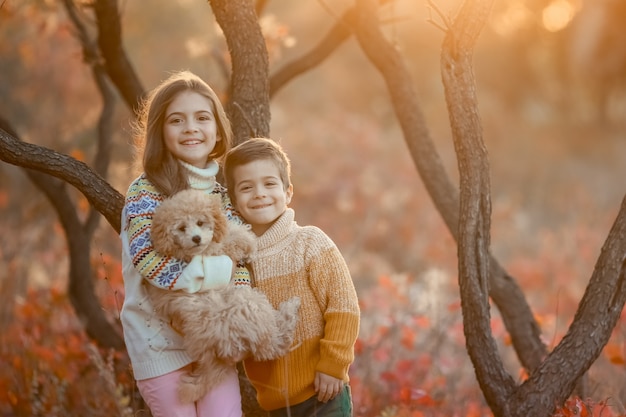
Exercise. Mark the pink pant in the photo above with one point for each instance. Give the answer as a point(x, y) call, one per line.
point(161, 396)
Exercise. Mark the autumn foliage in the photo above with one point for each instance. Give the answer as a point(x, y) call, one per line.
point(410, 359)
point(555, 189)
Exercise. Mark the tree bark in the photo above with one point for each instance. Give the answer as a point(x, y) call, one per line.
point(248, 105)
point(506, 294)
point(466, 214)
point(116, 62)
point(596, 317)
point(475, 205)
point(555, 378)
point(81, 285)
point(81, 289)
point(104, 198)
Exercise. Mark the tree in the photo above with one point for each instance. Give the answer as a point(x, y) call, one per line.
point(466, 209)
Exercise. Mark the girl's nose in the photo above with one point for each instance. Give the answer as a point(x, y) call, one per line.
point(190, 127)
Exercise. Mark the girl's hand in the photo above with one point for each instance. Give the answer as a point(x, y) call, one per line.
point(327, 387)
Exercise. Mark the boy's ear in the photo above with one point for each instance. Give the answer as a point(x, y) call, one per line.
point(289, 193)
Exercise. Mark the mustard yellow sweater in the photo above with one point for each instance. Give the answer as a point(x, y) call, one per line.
point(303, 261)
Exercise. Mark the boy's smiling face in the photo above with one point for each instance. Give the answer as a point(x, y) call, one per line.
point(260, 194)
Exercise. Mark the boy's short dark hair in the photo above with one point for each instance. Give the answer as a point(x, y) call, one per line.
point(255, 149)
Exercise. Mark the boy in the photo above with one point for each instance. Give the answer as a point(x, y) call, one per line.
point(294, 260)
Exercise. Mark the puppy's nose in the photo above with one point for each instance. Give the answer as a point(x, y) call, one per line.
point(196, 239)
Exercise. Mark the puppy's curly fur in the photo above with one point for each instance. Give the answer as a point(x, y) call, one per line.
point(224, 325)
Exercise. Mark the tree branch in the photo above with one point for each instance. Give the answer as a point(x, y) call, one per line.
point(333, 39)
point(475, 204)
point(104, 198)
point(507, 295)
point(117, 64)
point(92, 57)
point(81, 289)
point(591, 329)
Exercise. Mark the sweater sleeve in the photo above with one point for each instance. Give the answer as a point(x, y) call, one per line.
point(164, 272)
point(335, 291)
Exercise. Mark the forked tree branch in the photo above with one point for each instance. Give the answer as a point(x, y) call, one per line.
point(505, 292)
point(554, 379)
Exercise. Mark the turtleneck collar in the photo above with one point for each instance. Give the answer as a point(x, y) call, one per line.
point(201, 178)
point(278, 231)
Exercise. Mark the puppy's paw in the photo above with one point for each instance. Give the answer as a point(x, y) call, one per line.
point(289, 309)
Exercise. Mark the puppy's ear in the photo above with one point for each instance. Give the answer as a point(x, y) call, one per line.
point(221, 226)
point(159, 232)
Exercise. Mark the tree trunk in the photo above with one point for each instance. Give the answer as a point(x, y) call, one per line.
point(506, 294)
point(248, 105)
point(554, 379)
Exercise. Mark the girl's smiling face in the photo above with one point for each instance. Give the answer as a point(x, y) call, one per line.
point(260, 194)
point(189, 128)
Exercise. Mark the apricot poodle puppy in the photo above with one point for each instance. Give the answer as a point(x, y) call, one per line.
point(224, 325)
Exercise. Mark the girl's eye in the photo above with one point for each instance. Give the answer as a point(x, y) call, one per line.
point(205, 116)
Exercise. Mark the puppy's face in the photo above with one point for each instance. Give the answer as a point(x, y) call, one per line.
point(193, 234)
point(185, 224)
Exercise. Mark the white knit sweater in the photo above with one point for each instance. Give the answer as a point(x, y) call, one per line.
point(153, 346)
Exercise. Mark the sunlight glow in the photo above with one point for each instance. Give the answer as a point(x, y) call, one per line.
point(512, 20)
point(557, 15)
point(196, 47)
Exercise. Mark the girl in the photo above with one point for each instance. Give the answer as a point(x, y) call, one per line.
point(182, 133)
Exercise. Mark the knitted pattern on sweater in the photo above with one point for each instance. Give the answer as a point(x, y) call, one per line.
point(142, 199)
point(153, 346)
point(303, 261)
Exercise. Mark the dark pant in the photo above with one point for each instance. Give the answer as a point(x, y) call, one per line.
point(340, 406)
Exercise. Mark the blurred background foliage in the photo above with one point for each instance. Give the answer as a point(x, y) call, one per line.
point(552, 94)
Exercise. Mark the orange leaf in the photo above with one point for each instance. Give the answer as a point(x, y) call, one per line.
point(78, 154)
point(408, 337)
point(615, 353)
point(385, 281)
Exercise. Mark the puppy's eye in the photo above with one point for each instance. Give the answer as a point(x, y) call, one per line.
point(182, 228)
point(200, 223)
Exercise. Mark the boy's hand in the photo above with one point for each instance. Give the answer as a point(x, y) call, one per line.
point(327, 387)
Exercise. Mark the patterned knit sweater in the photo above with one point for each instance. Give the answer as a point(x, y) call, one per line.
point(153, 346)
point(303, 261)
